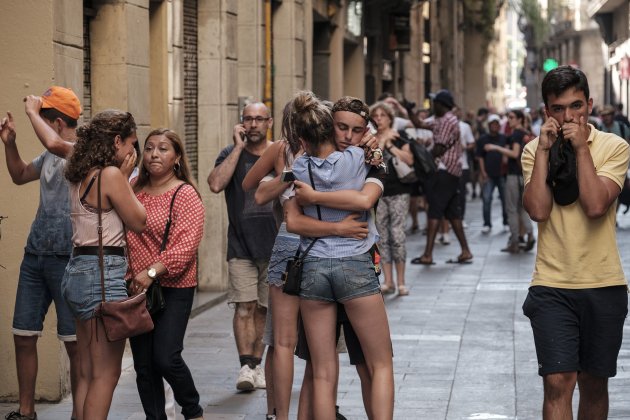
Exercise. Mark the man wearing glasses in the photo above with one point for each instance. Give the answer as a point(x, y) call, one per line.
point(251, 234)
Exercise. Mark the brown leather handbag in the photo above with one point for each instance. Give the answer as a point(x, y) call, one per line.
point(122, 318)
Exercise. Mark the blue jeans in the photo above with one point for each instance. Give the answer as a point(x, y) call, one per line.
point(486, 195)
point(40, 284)
point(158, 354)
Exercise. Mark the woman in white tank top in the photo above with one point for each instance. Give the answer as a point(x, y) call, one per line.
point(105, 149)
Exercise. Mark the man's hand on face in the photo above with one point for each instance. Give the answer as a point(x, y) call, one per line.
point(577, 132)
point(548, 133)
point(32, 104)
point(239, 135)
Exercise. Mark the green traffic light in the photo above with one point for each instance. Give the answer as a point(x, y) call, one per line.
point(549, 64)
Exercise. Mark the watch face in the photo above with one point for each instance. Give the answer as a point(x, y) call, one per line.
point(151, 273)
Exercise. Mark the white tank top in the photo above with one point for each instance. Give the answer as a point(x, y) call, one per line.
point(85, 223)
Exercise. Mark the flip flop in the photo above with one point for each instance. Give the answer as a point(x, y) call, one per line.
point(459, 261)
point(403, 291)
point(421, 261)
point(387, 290)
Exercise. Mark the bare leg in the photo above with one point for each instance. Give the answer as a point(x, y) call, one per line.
point(458, 229)
point(305, 407)
point(106, 359)
point(388, 273)
point(559, 389)
point(400, 273)
point(73, 355)
point(593, 397)
point(285, 315)
point(366, 387)
point(244, 328)
point(85, 373)
point(269, 379)
point(260, 315)
point(432, 229)
point(320, 319)
point(413, 211)
point(369, 319)
point(26, 365)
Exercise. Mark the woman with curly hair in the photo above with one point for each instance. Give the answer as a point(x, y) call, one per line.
point(104, 154)
point(166, 189)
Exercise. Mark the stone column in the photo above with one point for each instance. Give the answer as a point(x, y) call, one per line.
point(218, 95)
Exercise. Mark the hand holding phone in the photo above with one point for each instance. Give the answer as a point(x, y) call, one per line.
point(287, 176)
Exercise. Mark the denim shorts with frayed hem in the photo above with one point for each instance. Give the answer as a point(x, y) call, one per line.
point(40, 284)
point(338, 279)
point(81, 285)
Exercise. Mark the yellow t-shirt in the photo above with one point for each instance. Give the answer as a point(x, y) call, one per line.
point(575, 252)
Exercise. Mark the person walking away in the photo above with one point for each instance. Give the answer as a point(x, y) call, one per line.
point(611, 125)
point(578, 300)
point(251, 233)
point(171, 257)
point(102, 160)
point(54, 118)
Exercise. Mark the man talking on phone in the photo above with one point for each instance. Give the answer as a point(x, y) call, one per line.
point(251, 234)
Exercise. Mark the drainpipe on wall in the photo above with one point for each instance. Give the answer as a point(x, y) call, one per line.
point(268, 94)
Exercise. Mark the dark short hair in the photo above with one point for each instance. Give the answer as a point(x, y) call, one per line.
point(562, 78)
point(51, 114)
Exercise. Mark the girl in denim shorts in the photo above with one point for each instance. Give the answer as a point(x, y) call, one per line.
point(104, 154)
point(338, 269)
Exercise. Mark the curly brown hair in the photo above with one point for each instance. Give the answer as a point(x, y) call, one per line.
point(95, 143)
point(181, 170)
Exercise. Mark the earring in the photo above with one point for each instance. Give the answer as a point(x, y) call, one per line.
point(176, 167)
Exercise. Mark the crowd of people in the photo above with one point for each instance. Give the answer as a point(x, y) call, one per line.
point(335, 192)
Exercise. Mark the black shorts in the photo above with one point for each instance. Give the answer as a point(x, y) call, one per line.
point(355, 352)
point(417, 189)
point(577, 330)
point(442, 191)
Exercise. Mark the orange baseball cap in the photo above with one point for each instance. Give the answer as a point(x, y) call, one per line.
point(63, 100)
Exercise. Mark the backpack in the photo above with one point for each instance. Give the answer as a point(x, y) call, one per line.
point(423, 160)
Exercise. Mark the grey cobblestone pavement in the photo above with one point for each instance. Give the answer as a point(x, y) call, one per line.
point(463, 349)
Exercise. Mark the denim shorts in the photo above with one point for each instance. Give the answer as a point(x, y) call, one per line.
point(284, 247)
point(338, 279)
point(81, 286)
point(40, 284)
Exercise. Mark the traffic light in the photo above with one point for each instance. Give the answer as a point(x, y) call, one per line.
point(549, 64)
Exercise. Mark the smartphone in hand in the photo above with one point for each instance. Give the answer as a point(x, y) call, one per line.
point(287, 176)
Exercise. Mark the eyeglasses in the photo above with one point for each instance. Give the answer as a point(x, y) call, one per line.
point(259, 120)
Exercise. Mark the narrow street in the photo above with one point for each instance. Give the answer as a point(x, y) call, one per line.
point(463, 349)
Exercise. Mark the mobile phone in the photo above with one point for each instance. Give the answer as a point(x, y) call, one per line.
point(371, 127)
point(287, 176)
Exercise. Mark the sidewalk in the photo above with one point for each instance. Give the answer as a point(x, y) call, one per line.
point(462, 347)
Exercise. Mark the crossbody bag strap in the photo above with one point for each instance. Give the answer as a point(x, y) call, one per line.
point(167, 228)
point(99, 208)
point(319, 213)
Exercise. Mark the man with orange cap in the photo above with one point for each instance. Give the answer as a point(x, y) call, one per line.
point(54, 118)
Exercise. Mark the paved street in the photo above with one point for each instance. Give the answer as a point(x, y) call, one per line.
point(463, 349)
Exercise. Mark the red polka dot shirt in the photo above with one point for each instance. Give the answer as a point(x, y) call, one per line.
point(180, 255)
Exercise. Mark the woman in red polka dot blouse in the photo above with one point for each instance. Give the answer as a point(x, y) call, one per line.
point(157, 354)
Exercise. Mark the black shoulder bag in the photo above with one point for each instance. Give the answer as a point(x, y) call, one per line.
point(292, 276)
point(155, 297)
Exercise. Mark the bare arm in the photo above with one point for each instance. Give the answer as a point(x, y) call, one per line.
point(268, 162)
point(513, 152)
point(20, 171)
point(118, 193)
point(270, 190)
point(537, 196)
point(221, 175)
point(300, 224)
point(403, 153)
point(45, 133)
point(597, 193)
point(350, 200)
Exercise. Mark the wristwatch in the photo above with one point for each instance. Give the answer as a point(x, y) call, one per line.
point(152, 273)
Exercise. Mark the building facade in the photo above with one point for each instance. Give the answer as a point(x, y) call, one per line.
point(191, 65)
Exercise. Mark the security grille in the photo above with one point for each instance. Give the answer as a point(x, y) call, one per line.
point(88, 15)
point(190, 83)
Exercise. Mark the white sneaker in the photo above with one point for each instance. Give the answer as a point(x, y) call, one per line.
point(259, 378)
point(486, 229)
point(245, 380)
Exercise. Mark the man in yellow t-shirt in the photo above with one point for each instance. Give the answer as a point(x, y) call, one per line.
point(577, 300)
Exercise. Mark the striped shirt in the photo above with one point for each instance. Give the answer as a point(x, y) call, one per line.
point(446, 132)
point(338, 171)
